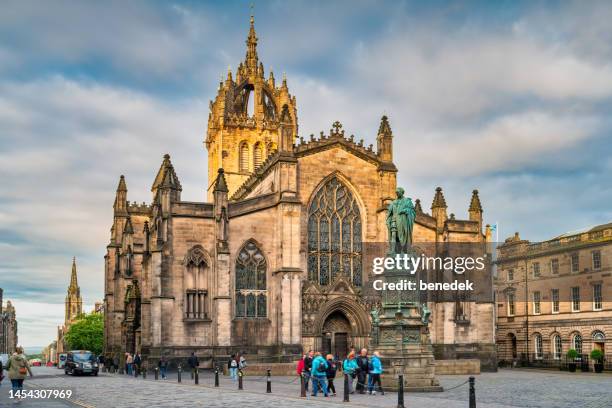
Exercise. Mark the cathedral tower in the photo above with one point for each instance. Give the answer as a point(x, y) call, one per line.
point(249, 119)
point(74, 302)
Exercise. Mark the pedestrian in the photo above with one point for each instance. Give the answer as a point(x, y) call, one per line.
point(332, 367)
point(362, 374)
point(101, 362)
point(232, 366)
point(18, 367)
point(163, 365)
point(1, 373)
point(242, 363)
point(350, 367)
point(137, 362)
point(319, 374)
point(376, 370)
point(116, 361)
point(300, 365)
point(194, 363)
point(307, 368)
point(129, 363)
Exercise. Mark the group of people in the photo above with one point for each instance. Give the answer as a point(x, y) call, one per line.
point(18, 368)
point(236, 362)
point(363, 370)
point(133, 362)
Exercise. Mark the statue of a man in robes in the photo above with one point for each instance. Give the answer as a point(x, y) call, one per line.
point(400, 221)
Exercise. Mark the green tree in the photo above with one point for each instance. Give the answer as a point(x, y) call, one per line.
point(87, 333)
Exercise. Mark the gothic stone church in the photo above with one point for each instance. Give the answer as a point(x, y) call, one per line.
point(273, 262)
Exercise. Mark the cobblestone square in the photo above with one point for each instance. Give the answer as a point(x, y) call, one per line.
point(507, 388)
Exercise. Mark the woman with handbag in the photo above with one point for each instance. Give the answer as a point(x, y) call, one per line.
point(18, 367)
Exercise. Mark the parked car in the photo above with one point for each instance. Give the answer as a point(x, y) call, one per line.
point(81, 362)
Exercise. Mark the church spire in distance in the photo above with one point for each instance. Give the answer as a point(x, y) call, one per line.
point(74, 286)
point(251, 55)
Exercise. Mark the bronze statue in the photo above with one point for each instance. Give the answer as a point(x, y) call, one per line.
point(400, 222)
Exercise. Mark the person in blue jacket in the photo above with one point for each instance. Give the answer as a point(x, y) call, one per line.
point(350, 367)
point(319, 374)
point(375, 370)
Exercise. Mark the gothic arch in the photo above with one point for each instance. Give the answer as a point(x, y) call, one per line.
point(251, 281)
point(243, 157)
point(347, 182)
point(335, 234)
point(355, 313)
point(196, 255)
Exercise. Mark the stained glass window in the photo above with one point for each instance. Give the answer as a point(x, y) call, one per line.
point(251, 294)
point(334, 235)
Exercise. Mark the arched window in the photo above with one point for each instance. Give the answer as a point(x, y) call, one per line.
point(577, 343)
point(598, 337)
point(251, 293)
point(257, 155)
point(334, 235)
point(196, 285)
point(539, 352)
point(243, 159)
point(557, 347)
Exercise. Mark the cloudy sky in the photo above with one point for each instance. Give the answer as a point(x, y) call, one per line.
point(512, 98)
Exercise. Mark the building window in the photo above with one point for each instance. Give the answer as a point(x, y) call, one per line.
point(597, 300)
point(575, 299)
point(257, 155)
point(196, 285)
point(334, 235)
point(554, 266)
point(536, 302)
point(554, 295)
point(510, 274)
point(577, 343)
point(575, 263)
point(243, 157)
point(557, 347)
point(536, 269)
point(596, 255)
point(251, 293)
point(599, 337)
point(510, 304)
point(539, 352)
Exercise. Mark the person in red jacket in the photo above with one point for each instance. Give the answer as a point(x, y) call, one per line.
point(300, 366)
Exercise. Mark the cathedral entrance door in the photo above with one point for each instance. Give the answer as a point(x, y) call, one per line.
point(336, 334)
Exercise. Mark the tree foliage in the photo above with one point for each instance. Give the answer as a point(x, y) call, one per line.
point(87, 333)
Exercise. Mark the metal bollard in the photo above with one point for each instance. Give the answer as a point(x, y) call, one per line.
point(472, 392)
point(180, 369)
point(135, 372)
point(400, 391)
point(269, 383)
point(302, 386)
point(240, 379)
point(156, 373)
point(144, 373)
point(217, 377)
point(346, 388)
point(197, 376)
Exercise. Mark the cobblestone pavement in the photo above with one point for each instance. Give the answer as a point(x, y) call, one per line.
point(505, 389)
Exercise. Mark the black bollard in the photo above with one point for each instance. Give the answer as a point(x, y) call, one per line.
point(135, 372)
point(156, 373)
point(302, 386)
point(180, 369)
point(144, 372)
point(269, 383)
point(346, 388)
point(240, 379)
point(217, 377)
point(197, 376)
point(400, 391)
point(472, 392)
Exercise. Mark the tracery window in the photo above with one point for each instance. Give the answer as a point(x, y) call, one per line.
point(196, 285)
point(334, 235)
point(251, 293)
point(243, 157)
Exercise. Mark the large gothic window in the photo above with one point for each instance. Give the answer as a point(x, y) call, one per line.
point(251, 294)
point(196, 285)
point(334, 235)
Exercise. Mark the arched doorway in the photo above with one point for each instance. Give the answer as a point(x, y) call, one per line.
point(336, 335)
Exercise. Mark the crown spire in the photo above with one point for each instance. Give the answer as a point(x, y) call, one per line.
point(251, 55)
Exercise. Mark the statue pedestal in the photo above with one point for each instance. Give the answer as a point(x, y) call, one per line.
point(405, 348)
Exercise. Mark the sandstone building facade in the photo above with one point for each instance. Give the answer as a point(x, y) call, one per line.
point(273, 262)
point(8, 327)
point(553, 296)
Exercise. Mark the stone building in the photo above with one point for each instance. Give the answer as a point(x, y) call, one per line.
point(73, 308)
point(8, 326)
point(273, 262)
point(553, 296)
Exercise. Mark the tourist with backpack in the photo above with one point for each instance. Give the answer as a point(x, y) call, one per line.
point(319, 374)
point(307, 368)
point(332, 367)
point(363, 363)
point(232, 366)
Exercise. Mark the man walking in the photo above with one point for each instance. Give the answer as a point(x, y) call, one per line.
point(137, 363)
point(307, 368)
point(163, 366)
point(194, 363)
